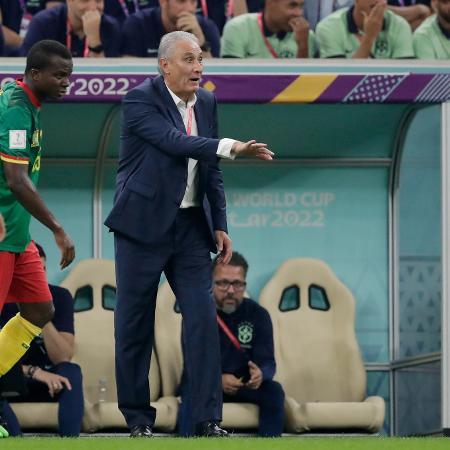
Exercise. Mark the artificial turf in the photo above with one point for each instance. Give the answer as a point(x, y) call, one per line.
point(234, 443)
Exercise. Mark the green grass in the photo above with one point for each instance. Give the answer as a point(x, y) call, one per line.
point(294, 443)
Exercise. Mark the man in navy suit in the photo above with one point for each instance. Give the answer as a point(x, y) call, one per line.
point(169, 214)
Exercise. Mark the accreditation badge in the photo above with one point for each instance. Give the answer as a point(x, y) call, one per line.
point(17, 139)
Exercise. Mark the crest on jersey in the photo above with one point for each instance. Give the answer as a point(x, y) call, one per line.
point(245, 332)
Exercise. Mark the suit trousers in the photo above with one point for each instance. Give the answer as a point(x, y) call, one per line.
point(184, 256)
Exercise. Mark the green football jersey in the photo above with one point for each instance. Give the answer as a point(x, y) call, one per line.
point(431, 41)
point(20, 143)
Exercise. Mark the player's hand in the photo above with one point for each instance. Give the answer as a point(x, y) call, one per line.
point(256, 376)
point(252, 149)
point(231, 384)
point(2, 229)
point(66, 246)
point(55, 383)
point(373, 22)
point(224, 246)
point(300, 28)
point(188, 22)
point(91, 26)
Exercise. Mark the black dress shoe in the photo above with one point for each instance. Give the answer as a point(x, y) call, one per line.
point(139, 431)
point(210, 429)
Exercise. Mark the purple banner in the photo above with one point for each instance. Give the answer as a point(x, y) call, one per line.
point(258, 88)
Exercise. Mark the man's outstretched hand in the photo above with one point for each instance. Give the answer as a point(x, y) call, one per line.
point(252, 149)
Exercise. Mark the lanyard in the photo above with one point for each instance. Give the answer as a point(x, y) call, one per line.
point(266, 41)
point(229, 10)
point(124, 7)
point(228, 332)
point(189, 121)
point(69, 40)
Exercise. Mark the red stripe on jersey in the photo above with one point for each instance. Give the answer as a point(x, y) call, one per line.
point(18, 159)
point(29, 92)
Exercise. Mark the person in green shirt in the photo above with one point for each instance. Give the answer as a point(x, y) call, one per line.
point(22, 277)
point(432, 39)
point(366, 30)
point(279, 31)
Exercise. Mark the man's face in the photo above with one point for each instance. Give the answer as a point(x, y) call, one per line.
point(80, 7)
point(443, 10)
point(228, 287)
point(53, 81)
point(171, 9)
point(183, 68)
point(281, 12)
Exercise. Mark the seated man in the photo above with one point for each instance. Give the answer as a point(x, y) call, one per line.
point(246, 346)
point(15, 16)
point(413, 11)
point(47, 368)
point(366, 30)
point(432, 39)
point(142, 32)
point(80, 25)
point(279, 31)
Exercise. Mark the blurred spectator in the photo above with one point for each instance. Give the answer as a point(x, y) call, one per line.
point(15, 16)
point(80, 25)
point(2, 49)
point(121, 9)
point(432, 39)
point(414, 11)
point(316, 10)
point(366, 30)
point(219, 11)
point(50, 375)
point(280, 31)
point(143, 31)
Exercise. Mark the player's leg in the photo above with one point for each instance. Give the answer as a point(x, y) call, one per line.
point(29, 288)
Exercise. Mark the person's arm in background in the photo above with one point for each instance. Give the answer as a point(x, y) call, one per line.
point(59, 334)
point(2, 229)
point(11, 38)
point(263, 348)
point(189, 22)
point(414, 14)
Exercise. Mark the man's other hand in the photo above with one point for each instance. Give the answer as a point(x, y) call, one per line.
point(252, 149)
point(224, 246)
point(256, 376)
point(66, 246)
point(231, 384)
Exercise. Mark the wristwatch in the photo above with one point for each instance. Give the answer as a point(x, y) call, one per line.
point(97, 49)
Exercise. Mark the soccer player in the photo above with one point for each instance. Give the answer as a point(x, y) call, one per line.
point(22, 276)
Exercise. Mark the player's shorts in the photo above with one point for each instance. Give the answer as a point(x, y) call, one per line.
point(22, 277)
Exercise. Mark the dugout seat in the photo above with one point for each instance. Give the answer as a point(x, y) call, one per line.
point(318, 358)
point(170, 357)
point(94, 349)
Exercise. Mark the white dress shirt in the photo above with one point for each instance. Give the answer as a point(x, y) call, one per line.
point(223, 151)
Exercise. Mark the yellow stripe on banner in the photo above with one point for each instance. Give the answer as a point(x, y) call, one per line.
point(11, 160)
point(305, 89)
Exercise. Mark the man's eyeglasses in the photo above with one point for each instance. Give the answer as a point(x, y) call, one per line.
point(224, 285)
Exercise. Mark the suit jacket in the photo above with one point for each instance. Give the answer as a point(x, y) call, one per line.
point(153, 161)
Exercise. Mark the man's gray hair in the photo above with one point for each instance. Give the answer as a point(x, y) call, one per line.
point(169, 41)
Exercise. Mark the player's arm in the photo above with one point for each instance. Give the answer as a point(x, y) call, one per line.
point(59, 344)
point(2, 229)
point(25, 192)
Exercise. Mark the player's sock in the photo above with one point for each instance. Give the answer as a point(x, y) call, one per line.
point(15, 340)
